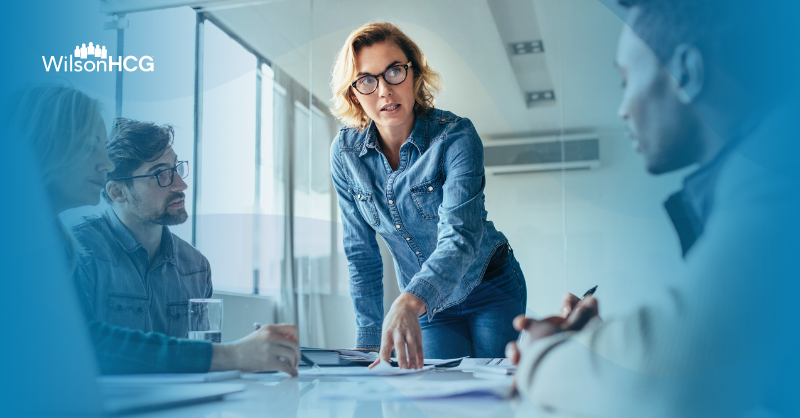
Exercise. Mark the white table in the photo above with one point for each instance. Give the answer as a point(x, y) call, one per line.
point(276, 395)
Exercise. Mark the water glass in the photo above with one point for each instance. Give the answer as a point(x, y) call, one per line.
point(205, 319)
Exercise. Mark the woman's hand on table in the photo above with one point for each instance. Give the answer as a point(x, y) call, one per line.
point(402, 332)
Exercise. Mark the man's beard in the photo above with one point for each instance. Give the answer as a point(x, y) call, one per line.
point(169, 219)
point(164, 217)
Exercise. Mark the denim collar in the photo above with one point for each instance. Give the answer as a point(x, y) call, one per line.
point(417, 137)
point(129, 243)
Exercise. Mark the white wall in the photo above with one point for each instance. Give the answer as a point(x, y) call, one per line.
point(618, 235)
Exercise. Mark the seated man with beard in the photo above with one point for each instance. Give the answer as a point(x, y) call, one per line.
point(132, 271)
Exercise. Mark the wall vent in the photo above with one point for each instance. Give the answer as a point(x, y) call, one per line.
point(538, 154)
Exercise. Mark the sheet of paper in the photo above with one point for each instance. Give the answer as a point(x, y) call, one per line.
point(149, 379)
point(468, 364)
point(420, 390)
point(438, 361)
point(367, 355)
point(381, 370)
point(357, 353)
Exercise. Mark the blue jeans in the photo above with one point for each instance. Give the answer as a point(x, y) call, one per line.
point(480, 326)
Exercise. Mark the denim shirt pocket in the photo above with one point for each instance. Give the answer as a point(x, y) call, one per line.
point(128, 310)
point(178, 316)
point(428, 197)
point(366, 206)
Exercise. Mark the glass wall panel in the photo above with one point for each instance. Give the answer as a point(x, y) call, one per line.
point(227, 188)
point(165, 95)
point(272, 189)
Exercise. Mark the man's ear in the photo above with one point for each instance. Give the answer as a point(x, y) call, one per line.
point(116, 192)
point(688, 70)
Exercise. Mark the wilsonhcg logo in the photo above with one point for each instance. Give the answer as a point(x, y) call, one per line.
point(90, 54)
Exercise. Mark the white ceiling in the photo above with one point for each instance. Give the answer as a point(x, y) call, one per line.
point(462, 42)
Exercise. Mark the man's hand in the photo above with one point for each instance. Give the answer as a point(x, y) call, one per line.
point(579, 313)
point(272, 347)
point(402, 332)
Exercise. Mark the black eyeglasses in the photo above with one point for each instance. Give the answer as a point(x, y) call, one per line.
point(166, 176)
point(394, 76)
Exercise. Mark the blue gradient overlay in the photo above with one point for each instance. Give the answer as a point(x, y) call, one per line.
point(752, 323)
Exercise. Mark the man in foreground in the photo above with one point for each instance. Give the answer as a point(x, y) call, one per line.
point(716, 343)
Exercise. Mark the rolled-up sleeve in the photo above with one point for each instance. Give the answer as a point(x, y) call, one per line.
point(460, 219)
point(364, 261)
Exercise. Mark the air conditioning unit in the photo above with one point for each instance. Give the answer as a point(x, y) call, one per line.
point(540, 154)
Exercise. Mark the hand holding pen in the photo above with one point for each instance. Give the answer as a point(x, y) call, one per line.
point(570, 301)
point(573, 316)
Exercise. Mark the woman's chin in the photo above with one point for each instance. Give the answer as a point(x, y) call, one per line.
point(396, 120)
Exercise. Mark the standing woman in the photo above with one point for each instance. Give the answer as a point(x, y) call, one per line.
point(414, 174)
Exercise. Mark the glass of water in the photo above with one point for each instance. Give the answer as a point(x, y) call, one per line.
point(205, 319)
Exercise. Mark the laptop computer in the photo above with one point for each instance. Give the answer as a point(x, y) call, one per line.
point(48, 363)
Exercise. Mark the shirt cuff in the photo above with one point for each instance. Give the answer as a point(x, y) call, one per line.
point(368, 338)
point(428, 294)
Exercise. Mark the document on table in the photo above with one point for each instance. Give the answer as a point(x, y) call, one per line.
point(420, 390)
point(382, 370)
point(372, 356)
point(468, 364)
point(149, 379)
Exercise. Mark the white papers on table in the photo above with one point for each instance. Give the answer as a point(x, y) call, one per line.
point(468, 364)
point(366, 355)
point(382, 370)
point(420, 390)
point(498, 369)
point(372, 356)
point(149, 379)
point(437, 361)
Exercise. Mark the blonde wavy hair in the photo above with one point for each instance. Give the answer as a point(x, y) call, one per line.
point(59, 122)
point(427, 82)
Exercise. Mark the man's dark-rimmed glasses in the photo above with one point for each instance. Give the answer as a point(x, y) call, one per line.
point(166, 176)
point(394, 76)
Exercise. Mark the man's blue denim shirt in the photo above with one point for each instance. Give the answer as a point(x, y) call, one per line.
point(119, 285)
point(430, 212)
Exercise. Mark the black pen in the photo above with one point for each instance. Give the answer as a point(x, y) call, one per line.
point(589, 292)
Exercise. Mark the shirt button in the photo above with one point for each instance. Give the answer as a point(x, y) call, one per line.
point(417, 252)
point(358, 196)
point(430, 188)
point(397, 226)
point(444, 120)
point(408, 239)
point(391, 202)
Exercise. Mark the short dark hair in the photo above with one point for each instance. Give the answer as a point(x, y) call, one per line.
point(665, 24)
point(133, 143)
point(741, 36)
point(745, 38)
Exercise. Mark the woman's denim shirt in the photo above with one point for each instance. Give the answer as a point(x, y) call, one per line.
point(430, 212)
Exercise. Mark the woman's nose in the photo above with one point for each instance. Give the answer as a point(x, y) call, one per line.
point(384, 88)
point(104, 164)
